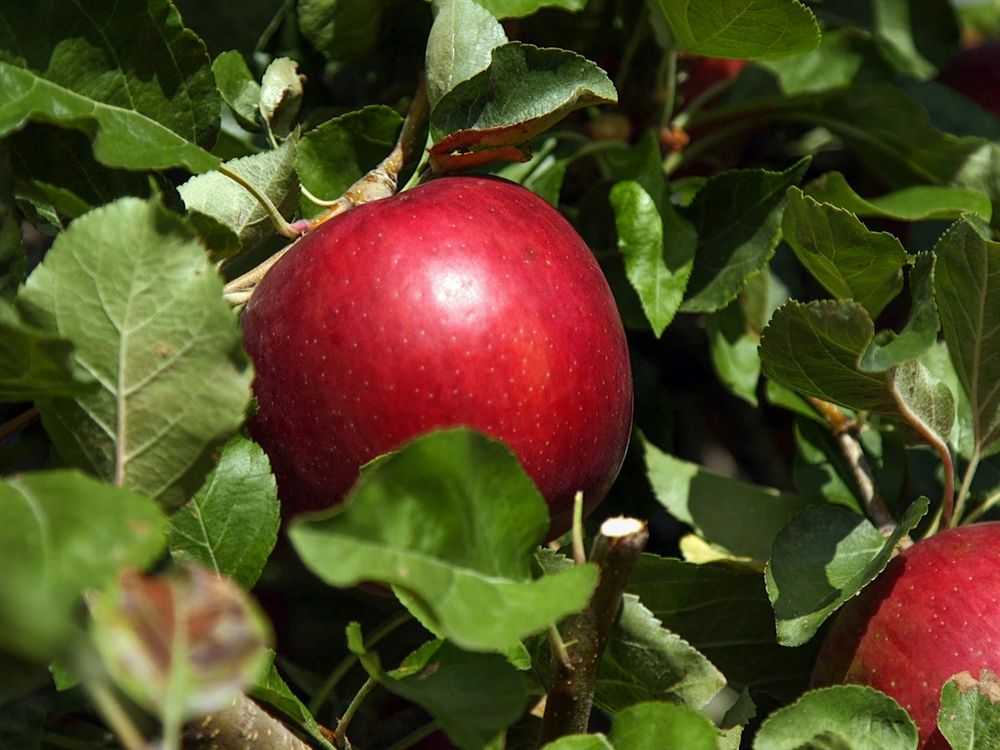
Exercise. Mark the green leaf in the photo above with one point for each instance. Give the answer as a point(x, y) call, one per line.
point(90, 71)
point(232, 206)
point(969, 717)
point(182, 644)
point(742, 518)
point(658, 270)
point(271, 689)
point(451, 520)
point(917, 203)
point(889, 349)
point(62, 533)
point(281, 92)
point(967, 287)
point(231, 525)
point(834, 63)
point(36, 364)
point(473, 697)
point(723, 611)
point(341, 29)
point(737, 215)
point(734, 351)
point(646, 662)
point(748, 29)
point(239, 89)
point(147, 320)
point(334, 155)
point(523, 92)
point(816, 348)
point(847, 258)
point(580, 742)
point(821, 471)
point(462, 37)
point(923, 400)
point(654, 726)
point(822, 559)
point(13, 262)
point(520, 8)
point(848, 716)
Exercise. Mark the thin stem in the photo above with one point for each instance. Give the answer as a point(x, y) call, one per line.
point(252, 277)
point(340, 733)
point(18, 423)
point(570, 698)
point(344, 666)
point(579, 553)
point(983, 508)
point(558, 647)
point(281, 226)
point(843, 431)
point(415, 736)
point(963, 491)
point(668, 79)
point(115, 716)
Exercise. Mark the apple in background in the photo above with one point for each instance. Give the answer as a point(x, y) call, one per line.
point(701, 73)
point(464, 301)
point(975, 74)
point(933, 612)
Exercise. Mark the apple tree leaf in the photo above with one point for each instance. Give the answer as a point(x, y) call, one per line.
point(733, 346)
point(524, 91)
point(888, 348)
point(849, 716)
point(181, 644)
point(737, 215)
point(34, 363)
point(451, 520)
point(136, 120)
point(653, 726)
point(733, 627)
point(916, 203)
point(969, 717)
point(147, 320)
point(472, 696)
point(231, 524)
point(967, 287)
point(334, 155)
point(646, 662)
point(747, 29)
point(281, 90)
point(62, 533)
point(520, 8)
point(823, 558)
point(657, 246)
point(742, 518)
point(459, 45)
point(580, 742)
point(271, 689)
point(341, 29)
point(847, 258)
point(229, 204)
point(238, 88)
point(834, 63)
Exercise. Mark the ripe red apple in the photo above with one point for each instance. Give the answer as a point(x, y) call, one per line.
point(933, 612)
point(465, 301)
point(975, 74)
point(702, 73)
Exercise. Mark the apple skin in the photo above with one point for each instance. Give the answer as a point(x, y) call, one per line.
point(705, 72)
point(975, 74)
point(465, 301)
point(933, 612)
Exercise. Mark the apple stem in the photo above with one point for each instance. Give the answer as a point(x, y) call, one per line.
point(570, 698)
point(844, 432)
point(244, 724)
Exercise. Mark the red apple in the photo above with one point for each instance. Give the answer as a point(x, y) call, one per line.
point(933, 612)
point(702, 73)
point(465, 301)
point(975, 74)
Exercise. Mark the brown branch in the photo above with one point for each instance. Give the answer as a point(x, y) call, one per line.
point(18, 423)
point(618, 545)
point(243, 725)
point(844, 432)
